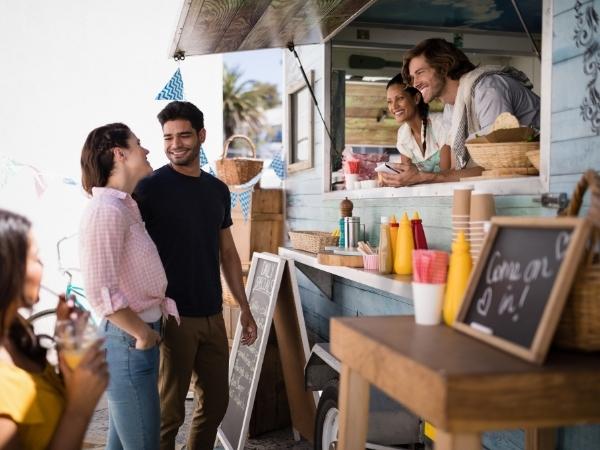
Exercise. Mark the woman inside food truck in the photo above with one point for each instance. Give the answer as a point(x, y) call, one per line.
point(421, 136)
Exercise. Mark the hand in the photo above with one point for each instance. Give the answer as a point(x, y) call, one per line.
point(149, 340)
point(86, 383)
point(67, 309)
point(409, 175)
point(249, 329)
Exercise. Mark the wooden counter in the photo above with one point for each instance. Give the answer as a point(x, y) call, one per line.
point(459, 384)
point(399, 285)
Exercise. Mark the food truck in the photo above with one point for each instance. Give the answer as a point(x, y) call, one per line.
point(339, 55)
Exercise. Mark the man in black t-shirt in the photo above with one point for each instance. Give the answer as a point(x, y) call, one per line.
point(187, 213)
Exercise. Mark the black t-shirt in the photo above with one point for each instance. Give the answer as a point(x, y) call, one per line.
point(184, 216)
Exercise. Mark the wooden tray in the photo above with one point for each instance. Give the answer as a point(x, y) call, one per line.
point(330, 259)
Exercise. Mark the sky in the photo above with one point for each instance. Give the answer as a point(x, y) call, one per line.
point(68, 66)
point(261, 65)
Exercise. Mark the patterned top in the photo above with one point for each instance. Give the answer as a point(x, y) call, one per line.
point(119, 261)
point(436, 137)
point(34, 401)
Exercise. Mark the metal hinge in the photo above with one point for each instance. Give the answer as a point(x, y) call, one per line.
point(556, 200)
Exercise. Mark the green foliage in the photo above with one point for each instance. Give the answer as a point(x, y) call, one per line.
point(244, 102)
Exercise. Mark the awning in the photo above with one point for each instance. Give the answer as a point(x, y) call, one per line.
point(220, 26)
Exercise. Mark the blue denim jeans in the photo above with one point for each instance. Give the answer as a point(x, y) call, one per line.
point(133, 403)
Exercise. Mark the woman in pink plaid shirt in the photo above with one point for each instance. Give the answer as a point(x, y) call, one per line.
point(125, 283)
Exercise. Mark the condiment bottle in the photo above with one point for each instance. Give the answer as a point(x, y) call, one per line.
point(458, 276)
point(404, 248)
point(418, 232)
point(385, 247)
point(393, 235)
point(346, 207)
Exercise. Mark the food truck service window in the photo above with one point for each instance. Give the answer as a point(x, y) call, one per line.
point(370, 129)
point(300, 146)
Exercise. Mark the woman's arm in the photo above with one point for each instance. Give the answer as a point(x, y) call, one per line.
point(84, 387)
point(445, 158)
point(405, 159)
point(9, 440)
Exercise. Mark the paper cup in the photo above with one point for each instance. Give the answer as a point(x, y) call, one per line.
point(427, 300)
point(368, 184)
point(482, 206)
point(461, 200)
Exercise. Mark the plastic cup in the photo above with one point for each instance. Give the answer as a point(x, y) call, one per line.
point(73, 338)
point(351, 179)
point(371, 262)
point(427, 300)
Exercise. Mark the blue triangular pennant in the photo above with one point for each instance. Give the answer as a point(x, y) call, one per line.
point(234, 197)
point(279, 167)
point(245, 203)
point(173, 90)
point(211, 171)
point(203, 158)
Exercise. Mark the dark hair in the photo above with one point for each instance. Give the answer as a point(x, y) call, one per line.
point(444, 57)
point(182, 110)
point(97, 158)
point(14, 246)
point(422, 107)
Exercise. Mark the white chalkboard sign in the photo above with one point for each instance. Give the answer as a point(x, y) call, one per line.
point(245, 362)
point(519, 286)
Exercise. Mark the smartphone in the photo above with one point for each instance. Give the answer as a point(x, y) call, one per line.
point(391, 168)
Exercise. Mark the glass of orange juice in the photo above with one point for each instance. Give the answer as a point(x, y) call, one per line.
point(73, 338)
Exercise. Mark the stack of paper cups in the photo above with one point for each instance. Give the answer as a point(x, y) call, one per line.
point(461, 209)
point(482, 210)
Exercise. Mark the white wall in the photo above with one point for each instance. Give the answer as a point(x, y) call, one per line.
point(68, 66)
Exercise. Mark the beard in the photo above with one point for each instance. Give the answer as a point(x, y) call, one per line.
point(188, 158)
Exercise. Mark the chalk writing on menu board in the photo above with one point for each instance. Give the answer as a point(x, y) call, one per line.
point(516, 282)
point(248, 359)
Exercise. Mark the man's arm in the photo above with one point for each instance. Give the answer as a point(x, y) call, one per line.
point(232, 271)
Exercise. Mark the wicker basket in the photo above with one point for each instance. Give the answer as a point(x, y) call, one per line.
point(312, 241)
point(579, 326)
point(500, 155)
point(234, 171)
point(534, 158)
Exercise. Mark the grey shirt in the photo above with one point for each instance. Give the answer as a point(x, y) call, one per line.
point(497, 93)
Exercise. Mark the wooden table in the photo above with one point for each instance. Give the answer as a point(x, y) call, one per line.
point(459, 384)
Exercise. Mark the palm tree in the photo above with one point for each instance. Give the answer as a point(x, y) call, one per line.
point(244, 102)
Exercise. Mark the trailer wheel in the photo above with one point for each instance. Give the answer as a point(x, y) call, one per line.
point(327, 421)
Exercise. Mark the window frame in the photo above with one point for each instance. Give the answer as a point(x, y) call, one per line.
point(292, 91)
point(501, 186)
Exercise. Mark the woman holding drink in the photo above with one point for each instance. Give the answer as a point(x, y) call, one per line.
point(38, 409)
point(125, 283)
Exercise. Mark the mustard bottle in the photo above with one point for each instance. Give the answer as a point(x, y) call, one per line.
point(458, 277)
point(404, 247)
point(393, 236)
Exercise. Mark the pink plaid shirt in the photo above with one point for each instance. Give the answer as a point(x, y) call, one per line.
point(119, 261)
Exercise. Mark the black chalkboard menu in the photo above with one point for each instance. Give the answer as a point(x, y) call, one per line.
point(519, 286)
point(245, 362)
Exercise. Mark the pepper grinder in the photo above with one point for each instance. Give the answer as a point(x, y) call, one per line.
point(346, 207)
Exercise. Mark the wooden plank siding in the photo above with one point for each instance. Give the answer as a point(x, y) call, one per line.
point(574, 148)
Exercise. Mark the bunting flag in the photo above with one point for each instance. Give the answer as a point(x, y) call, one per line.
point(245, 198)
point(234, 197)
point(279, 167)
point(173, 90)
point(211, 171)
point(203, 158)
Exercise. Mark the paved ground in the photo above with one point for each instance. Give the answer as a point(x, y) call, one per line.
point(282, 439)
